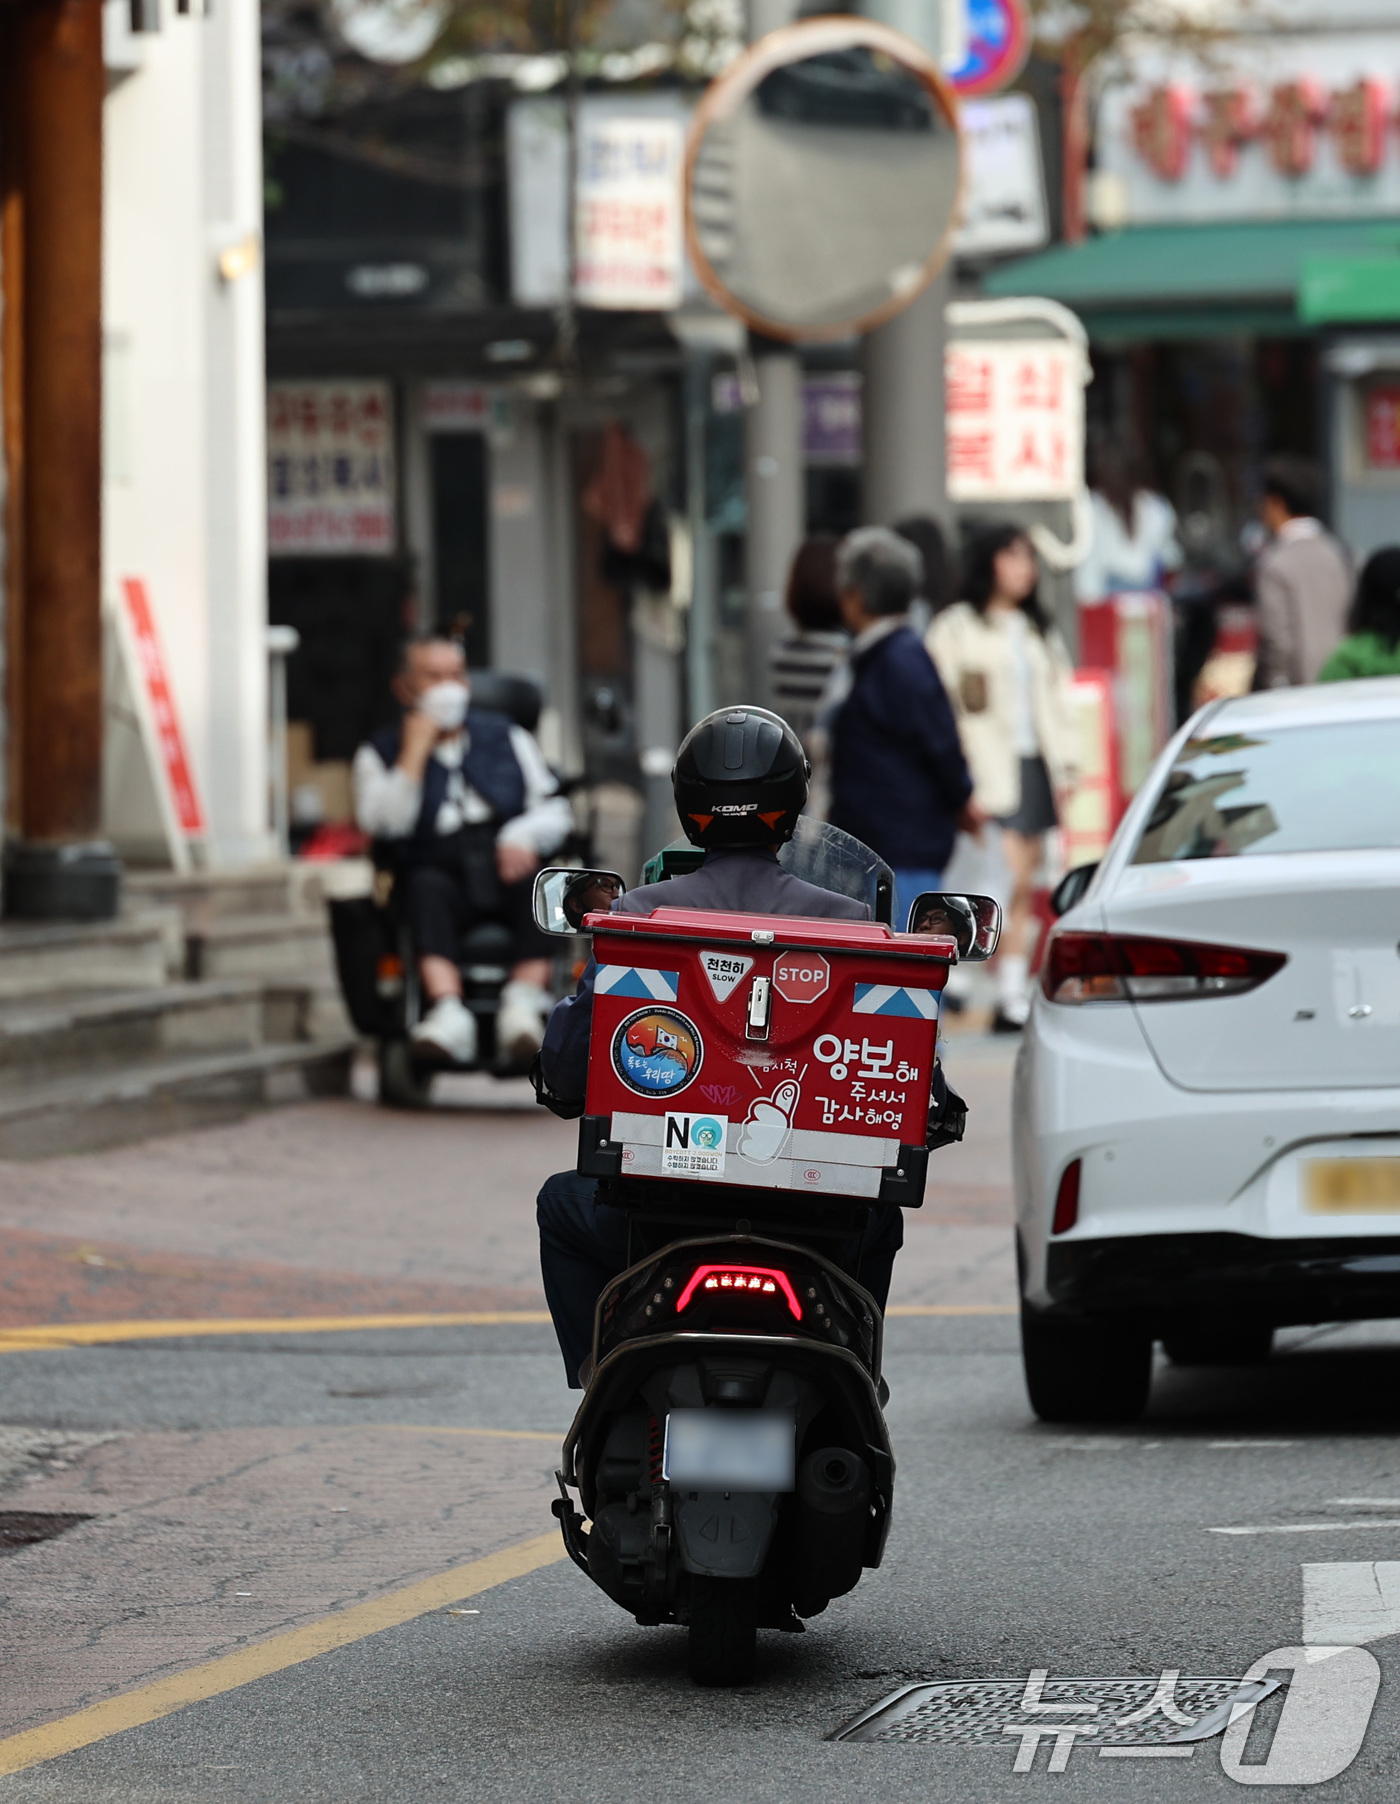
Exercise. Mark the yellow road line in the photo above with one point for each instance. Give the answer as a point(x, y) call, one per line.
point(96, 1334)
point(215, 1677)
point(500, 1434)
point(951, 1309)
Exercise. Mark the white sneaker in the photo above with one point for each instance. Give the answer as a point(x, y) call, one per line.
point(520, 1024)
point(448, 1029)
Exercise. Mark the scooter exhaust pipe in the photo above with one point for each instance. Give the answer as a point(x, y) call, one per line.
point(833, 1510)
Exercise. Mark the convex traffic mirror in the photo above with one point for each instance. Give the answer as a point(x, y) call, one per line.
point(822, 179)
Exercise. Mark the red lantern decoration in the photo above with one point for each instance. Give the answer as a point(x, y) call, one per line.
point(1296, 110)
point(1162, 128)
point(1358, 118)
point(1232, 118)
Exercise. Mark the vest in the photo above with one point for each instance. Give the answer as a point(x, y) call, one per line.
point(489, 765)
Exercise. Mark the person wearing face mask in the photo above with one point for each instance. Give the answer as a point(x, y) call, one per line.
point(469, 809)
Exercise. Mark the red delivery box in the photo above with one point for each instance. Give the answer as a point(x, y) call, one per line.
point(761, 1050)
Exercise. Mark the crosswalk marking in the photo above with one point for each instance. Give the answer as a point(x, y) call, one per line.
point(1347, 1603)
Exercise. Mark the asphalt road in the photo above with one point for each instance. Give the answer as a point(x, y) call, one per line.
point(240, 1493)
point(1015, 1548)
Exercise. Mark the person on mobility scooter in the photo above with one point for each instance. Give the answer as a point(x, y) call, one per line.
point(461, 808)
point(753, 1062)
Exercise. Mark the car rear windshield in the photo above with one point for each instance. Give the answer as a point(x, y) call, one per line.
point(1294, 789)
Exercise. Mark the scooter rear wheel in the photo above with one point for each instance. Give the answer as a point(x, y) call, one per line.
point(723, 1630)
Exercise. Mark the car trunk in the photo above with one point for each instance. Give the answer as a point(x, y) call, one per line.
point(1329, 1019)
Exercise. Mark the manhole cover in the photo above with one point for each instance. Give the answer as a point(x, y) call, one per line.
point(992, 1713)
point(23, 1528)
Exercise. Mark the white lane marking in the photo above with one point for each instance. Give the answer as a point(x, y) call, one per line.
point(1223, 1446)
point(1307, 1528)
point(1350, 1602)
point(1365, 1503)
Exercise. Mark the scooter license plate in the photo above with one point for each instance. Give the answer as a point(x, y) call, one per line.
point(730, 1450)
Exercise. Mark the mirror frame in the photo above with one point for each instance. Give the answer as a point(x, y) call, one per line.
point(973, 956)
point(816, 37)
point(537, 895)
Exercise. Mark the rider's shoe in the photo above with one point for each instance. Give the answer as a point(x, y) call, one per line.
point(520, 1023)
point(448, 1030)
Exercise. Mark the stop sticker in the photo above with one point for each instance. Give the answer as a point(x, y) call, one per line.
point(801, 976)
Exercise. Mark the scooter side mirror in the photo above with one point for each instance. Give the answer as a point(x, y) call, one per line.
point(564, 895)
point(973, 922)
point(1070, 889)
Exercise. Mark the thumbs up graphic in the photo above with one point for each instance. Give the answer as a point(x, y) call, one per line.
point(762, 1136)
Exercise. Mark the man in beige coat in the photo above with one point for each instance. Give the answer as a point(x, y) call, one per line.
point(1303, 579)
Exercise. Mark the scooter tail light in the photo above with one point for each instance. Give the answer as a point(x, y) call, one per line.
point(1067, 1199)
point(1118, 967)
point(740, 1280)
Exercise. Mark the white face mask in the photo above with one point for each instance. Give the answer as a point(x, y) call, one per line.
point(445, 704)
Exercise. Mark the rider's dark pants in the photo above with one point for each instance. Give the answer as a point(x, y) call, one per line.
point(583, 1243)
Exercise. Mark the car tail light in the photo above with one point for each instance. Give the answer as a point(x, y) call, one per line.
point(1115, 967)
point(746, 1280)
point(1067, 1199)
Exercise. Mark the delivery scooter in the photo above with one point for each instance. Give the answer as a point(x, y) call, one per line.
point(756, 1085)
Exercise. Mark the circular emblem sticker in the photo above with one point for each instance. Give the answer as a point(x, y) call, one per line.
point(657, 1051)
point(706, 1134)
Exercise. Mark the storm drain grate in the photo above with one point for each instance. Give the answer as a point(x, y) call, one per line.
point(988, 1713)
point(26, 1528)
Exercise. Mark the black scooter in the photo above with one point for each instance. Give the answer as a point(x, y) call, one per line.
point(730, 1454)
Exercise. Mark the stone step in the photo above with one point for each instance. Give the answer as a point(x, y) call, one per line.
point(100, 955)
point(41, 1036)
point(273, 889)
point(270, 947)
point(86, 1111)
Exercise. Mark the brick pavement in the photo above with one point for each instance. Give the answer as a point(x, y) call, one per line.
point(339, 1207)
point(182, 1524)
point(46, 1278)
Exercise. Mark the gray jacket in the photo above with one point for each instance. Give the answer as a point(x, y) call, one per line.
point(743, 881)
point(1304, 584)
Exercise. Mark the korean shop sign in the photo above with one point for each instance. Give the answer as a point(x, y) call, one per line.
point(330, 469)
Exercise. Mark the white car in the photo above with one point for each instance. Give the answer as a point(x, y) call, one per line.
point(1207, 1095)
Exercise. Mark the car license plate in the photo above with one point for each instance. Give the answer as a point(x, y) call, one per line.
point(1351, 1186)
point(730, 1449)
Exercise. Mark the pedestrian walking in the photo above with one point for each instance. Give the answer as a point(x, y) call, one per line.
point(1007, 671)
point(899, 780)
point(1372, 645)
point(1132, 542)
point(802, 661)
point(938, 587)
point(1303, 580)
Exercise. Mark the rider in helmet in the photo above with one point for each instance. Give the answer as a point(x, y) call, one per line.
point(740, 783)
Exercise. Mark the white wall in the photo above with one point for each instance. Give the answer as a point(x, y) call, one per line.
point(184, 503)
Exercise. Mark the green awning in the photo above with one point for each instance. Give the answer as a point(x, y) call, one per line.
point(1193, 281)
point(1338, 289)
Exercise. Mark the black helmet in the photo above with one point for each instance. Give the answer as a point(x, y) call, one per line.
point(740, 779)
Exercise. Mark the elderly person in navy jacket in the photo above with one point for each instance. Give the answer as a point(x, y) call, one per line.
point(466, 809)
point(898, 778)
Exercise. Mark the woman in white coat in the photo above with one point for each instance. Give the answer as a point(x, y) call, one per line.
point(1007, 674)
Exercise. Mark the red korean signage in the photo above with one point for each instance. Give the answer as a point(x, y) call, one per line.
point(1383, 427)
point(1015, 420)
point(160, 701)
point(1289, 124)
